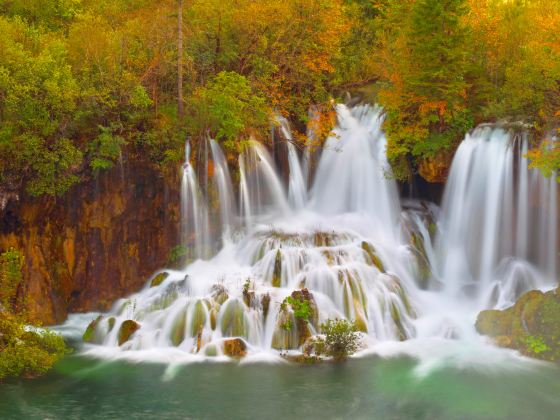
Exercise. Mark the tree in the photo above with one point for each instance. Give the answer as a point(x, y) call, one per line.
point(424, 69)
point(180, 100)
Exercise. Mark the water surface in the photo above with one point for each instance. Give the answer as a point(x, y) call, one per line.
point(371, 388)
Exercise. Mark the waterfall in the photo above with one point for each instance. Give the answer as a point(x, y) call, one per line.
point(403, 272)
point(195, 232)
point(261, 191)
point(327, 247)
point(498, 235)
point(222, 180)
point(353, 172)
point(297, 186)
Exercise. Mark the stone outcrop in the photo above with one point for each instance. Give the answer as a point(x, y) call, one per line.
point(531, 326)
point(100, 241)
point(235, 347)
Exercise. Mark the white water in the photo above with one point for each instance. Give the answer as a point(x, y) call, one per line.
point(349, 244)
point(194, 213)
point(499, 221)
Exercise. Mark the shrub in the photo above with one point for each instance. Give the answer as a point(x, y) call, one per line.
point(302, 309)
point(27, 352)
point(11, 265)
point(341, 338)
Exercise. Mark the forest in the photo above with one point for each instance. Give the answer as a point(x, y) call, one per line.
point(85, 83)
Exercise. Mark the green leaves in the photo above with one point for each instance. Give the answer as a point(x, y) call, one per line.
point(228, 109)
point(105, 149)
point(27, 352)
point(54, 169)
point(11, 265)
point(341, 338)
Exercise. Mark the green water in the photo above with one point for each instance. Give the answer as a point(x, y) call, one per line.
point(369, 388)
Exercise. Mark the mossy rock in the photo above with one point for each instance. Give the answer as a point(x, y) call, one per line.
point(198, 317)
point(178, 328)
point(277, 274)
point(355, 301)
point(159, 279)
point(285, 335)
point(210, 350)
point(372, 257)
point(396, 287)
point(265, 304)
point(424, 271)
point(235, 347)
point(91, 335)
point(531, 325)
point(111, 323)
point(128, 328)
point(398, 322)
point(304, 295)
point(233, 320)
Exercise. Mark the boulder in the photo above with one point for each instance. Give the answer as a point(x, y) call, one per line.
point(128, 328)
point(91, 334)
point(531, 325)
point(233, 319)
point(198, 317)
point(178, 328)
point(235, 347)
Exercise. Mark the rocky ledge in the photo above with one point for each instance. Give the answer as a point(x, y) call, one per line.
point(531, 326)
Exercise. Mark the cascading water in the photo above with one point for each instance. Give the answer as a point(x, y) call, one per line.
point(261, 191)
point(297, 186)
point(346, 249)
point(224, 186)
point(499, 221)
point(194, 213)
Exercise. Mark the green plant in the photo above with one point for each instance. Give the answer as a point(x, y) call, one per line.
point(105, 149)
point(341, 338)
point(11, 264)
point(26, 351)
point(536, 345)
point(302, 309)
point(287, 326)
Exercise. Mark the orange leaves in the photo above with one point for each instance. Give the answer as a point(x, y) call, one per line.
point(429, 107)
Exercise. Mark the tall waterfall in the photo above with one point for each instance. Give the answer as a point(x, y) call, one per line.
point(345, 246)
point(499, 220)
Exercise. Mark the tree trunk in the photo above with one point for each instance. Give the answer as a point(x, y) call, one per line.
point(180, 100)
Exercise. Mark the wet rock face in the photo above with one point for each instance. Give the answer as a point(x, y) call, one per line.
point(531, 326)
point(100, 241)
